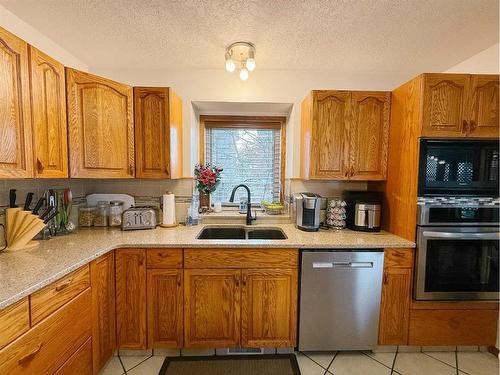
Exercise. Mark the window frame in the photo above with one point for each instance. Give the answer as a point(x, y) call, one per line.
point(246, 122)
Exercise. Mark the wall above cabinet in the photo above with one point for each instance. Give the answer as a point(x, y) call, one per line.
point(344, 135)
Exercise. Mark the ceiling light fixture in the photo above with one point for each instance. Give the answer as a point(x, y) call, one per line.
point(242, 53)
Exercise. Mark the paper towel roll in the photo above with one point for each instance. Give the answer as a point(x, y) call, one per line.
point(168, 209)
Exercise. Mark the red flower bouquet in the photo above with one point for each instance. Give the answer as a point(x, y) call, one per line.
point(207, 177)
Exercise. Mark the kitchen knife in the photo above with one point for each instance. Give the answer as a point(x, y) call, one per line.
point(46, 212)
point(12, 198)
point(38, 206)
point(51, 216)
point(27, 202)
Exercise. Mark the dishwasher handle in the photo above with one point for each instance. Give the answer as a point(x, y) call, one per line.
point(342, 265)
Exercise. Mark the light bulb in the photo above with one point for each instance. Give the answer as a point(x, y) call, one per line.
point(250, 64)
point(244, 74)
point(230, 65)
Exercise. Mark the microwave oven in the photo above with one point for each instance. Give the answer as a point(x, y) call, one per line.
point(457, 167)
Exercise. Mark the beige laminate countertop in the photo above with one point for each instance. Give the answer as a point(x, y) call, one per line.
point(25, 271)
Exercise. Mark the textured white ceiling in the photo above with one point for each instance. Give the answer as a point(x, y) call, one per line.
point(341, 35)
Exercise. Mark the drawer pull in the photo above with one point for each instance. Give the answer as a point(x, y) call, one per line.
point(63, 285)
point(31, 354)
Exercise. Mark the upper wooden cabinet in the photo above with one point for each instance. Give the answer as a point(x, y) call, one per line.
point(460, 105)
point(158, 132)
point(16, 157)
point(48, 95)
point(101, 129)
point(344, 135)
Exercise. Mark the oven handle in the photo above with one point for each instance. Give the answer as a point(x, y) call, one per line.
point(463, 236)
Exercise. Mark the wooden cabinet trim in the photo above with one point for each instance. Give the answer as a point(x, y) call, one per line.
point(50, 298)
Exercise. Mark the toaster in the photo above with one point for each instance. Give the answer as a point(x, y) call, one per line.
point(139, 218)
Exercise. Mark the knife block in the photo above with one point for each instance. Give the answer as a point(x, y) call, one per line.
point(21, 227)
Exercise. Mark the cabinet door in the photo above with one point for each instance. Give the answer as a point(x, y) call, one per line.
point(16, 157)
point(130, 271)
point(100, 126)
point(211, 308)
point(329, 152)
point(269, 308)
point(102, 278)
point(48, 93)
point(445, 105)
point(369, 135)
point(152, 133)
point(395, 306)
point(165, 308)
point(484, 119)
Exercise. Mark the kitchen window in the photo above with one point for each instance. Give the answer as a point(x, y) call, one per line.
point(251, 151)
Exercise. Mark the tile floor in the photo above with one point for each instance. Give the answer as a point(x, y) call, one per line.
point(348, 363)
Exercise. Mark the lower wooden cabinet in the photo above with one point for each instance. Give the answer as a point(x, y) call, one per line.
point(130, 273)
point(102, 277)
point(165, 308)
point(269, 308)
point(396, 297)
point(211, 308)
point(80, 363)
point(49, 344)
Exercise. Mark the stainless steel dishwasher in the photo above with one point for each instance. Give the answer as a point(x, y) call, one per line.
point(340, 299)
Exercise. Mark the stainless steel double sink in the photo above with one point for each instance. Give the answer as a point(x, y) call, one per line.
point(240, 233)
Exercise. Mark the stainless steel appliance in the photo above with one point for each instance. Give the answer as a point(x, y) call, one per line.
point(308, 209)
point(458, 167)
point(457, 249)
point(340, 299)
point(139, 218)
point(364, 210)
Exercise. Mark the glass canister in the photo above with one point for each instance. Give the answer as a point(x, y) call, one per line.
point(115, 213)
point(86, 216)
point(101, 214)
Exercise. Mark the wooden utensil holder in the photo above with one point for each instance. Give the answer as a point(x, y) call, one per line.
point(21, 227)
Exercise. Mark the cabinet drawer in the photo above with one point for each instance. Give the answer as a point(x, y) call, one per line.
point(80, 362)
point(241, 258)
point(398, 258)
point(45, 348)
point(47, 300)
point(14, 321)
point(164, 258)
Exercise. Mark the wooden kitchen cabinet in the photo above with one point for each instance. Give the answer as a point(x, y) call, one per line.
point(158, 132)
point(344, 135)
point(102, 277)
point(100, 126)
point(269, 308)
point(48, 95)
point(484, 112)
point(460, 105)
point(165, 308)
point(369, 135)
point(16, 156)
point(212, 308)
point(130, 275)
point(396, 297)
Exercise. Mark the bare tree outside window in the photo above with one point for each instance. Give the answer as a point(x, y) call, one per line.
point(248, 156)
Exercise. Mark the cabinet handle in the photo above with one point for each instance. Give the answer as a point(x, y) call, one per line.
point(237, 282)
point(63, 285)
point(386, 279)
point(179, 280)
point(352, 171)
point(39, 165)
point(244, 281)
point(346, 173)
point(472, 126)
point(31, 354)
point(464, 126)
